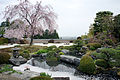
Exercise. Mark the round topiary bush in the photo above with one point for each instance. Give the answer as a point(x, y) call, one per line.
point(101, 63)
point(41, 78)
point(87, 65)
point(4, 58)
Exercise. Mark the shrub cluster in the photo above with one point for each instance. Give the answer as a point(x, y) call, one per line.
point(4, 58)
point(3, 40)
point(25, 54)
point(101, 63)
point(42, 51)
point(93, 46)
point(87, 65)
point(110, 57)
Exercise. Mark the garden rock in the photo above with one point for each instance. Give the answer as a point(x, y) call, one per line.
point(70, 59)
point(18, 61)
point(65, 51)
point(35, 55)
point(43, 55)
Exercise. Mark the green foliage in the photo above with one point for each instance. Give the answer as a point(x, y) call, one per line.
point(7, 68)
point(67, 47)
point(112, 56)
point(108, 51)
point(78, 44)
point(52, 58)
point(118, 47)
point(57, 50)
point(41, 78)
point(4, 25)
point(3, 40)
point(42, 51)
point(101, 63)
point(4, 58)
point(93, 46)
point(99, 55)
point(109, 41)
point(61, 53)
point(47, 35)
point(87, 65)
point(50, 48)
point(25, 54)
point(26, 51)
point(103, 22)
point(51, 54)
point(44, 74)
point(116, 31)
point(114, 63)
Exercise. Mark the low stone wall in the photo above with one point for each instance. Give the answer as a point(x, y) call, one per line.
point(55, 40)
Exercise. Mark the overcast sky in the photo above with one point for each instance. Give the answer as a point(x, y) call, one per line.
point(74, 16)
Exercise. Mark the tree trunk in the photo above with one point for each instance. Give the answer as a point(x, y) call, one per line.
point(31, 40)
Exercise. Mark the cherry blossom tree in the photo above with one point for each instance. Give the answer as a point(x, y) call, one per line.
point(36, 18)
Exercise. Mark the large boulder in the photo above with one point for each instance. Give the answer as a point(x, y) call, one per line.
point(18, 61)
point(77, 61)
point(70, 59)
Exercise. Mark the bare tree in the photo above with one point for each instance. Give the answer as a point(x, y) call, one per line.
point(36, 17)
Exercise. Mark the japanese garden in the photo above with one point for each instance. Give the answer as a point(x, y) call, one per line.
point(31, 47)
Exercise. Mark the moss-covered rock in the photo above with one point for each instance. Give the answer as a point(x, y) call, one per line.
point(87, 65)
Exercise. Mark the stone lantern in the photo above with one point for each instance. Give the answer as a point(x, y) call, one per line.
point(15, 52)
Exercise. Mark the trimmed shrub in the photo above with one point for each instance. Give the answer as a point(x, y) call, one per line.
point(61, 53)
point(51, 41)
point(96, 55)
point(44, 74)
point(42, 51)
point(41, 78)
point(93, 46)
point(109, 41)
point(114, 63)
point(108, 51)
point(51, 54)
point(25, 54)
point(118, 47)
point(3, 40)
point(101, 63)
point(4, 58)
point(51, 59)
point(57, 50)
point(50, 48)
point(87, 65)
